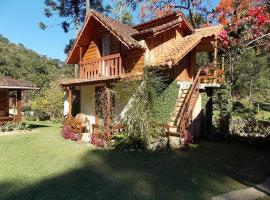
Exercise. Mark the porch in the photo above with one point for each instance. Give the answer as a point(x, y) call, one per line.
point(11, 93)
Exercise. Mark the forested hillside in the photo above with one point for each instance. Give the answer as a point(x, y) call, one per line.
point(22, 63)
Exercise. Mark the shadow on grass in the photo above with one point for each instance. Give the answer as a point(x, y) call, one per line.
point(201, 172)
point(35, 126)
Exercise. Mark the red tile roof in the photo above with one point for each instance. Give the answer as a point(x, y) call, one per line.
point(121, 31)
point(11, 83)
point(167, 18)
point(184, 46)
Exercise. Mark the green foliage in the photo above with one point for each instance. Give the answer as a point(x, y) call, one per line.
point(249, 125)
point(152, 103)
point(14, 127)
point(250, 76)
point(165, 103)
point(50, 102)
point(18, 62)
point(70, 10)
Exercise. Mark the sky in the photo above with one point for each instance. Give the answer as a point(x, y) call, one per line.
point(19, 21)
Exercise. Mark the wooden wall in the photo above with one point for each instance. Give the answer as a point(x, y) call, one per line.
point(4, 103)
point(161, 43)
point(93, 51)
point(133, 60)
point(186, 69)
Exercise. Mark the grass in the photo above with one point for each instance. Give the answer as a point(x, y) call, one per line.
point(42, 166)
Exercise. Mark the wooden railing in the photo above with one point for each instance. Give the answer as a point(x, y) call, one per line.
point(185, 115)
point(102, 68)
point(211, 74)
point(207, 74)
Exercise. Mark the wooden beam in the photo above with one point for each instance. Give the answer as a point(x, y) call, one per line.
point(215, 52)
point(69, 103)
point(108, 111)
point(19, 105)
point(222, 65)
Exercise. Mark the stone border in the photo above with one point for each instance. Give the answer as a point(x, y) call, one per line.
point(18, 132)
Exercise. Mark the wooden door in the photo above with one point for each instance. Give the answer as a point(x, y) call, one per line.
point(4, 103)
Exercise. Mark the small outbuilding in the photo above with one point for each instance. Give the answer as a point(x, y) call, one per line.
point(11, 93)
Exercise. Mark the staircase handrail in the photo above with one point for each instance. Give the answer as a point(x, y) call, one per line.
point(189, 95)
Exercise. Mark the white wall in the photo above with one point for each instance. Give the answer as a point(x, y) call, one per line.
point(88, 100)
point(121, 99)
point(66, 104)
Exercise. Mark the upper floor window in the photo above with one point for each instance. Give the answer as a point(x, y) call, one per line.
point(105, 46)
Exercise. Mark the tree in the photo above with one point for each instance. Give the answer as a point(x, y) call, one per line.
point(50, 101)
point(73, 11)
point(197, 10)
point(119, 11)
point(245, 27)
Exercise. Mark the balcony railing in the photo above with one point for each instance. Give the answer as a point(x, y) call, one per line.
point(103, 68)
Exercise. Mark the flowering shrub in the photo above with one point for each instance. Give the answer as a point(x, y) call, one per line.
point(247, 29)
point(69, 135)
point(186, 137)
point(97, 141)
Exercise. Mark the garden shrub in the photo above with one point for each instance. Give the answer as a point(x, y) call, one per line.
point(48, 103)
point(68, 134)
point(11, 126)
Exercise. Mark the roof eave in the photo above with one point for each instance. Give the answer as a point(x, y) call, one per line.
point(19, 88)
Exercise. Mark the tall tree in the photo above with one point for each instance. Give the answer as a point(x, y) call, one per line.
point(73, 11)
point(197, 10)
point(120, 11)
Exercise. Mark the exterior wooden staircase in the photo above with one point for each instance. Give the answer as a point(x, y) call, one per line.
point(182, 115)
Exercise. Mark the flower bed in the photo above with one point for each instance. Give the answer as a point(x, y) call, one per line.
point(97, 141)
point(68, 134)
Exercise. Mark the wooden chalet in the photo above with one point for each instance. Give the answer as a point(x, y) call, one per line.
point(11, 89)
point(107, 51)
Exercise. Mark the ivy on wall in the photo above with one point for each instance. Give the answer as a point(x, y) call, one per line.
point(165, 102)
point(153, 100)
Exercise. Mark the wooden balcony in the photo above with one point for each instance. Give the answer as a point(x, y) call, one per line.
point(106, 67)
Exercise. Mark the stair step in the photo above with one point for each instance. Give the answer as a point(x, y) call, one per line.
point(171, 123)
point(173, 129)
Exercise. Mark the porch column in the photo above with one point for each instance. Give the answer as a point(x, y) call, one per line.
point(19, 105)
point(108, 111)
point(222, 66)
point(215, 52)
point(69, 103)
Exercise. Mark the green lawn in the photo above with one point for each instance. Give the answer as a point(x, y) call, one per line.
point(42, 166)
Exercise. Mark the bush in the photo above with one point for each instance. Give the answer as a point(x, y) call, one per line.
point(10, 126)
point(249, 126)
point(69, 135)
point(49, 103)
point(125, 141)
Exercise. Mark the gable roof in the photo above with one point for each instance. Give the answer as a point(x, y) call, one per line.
point(121, 31)
point(188, 43)
point(165, 20)
point(11, 83)
point(161, 28)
